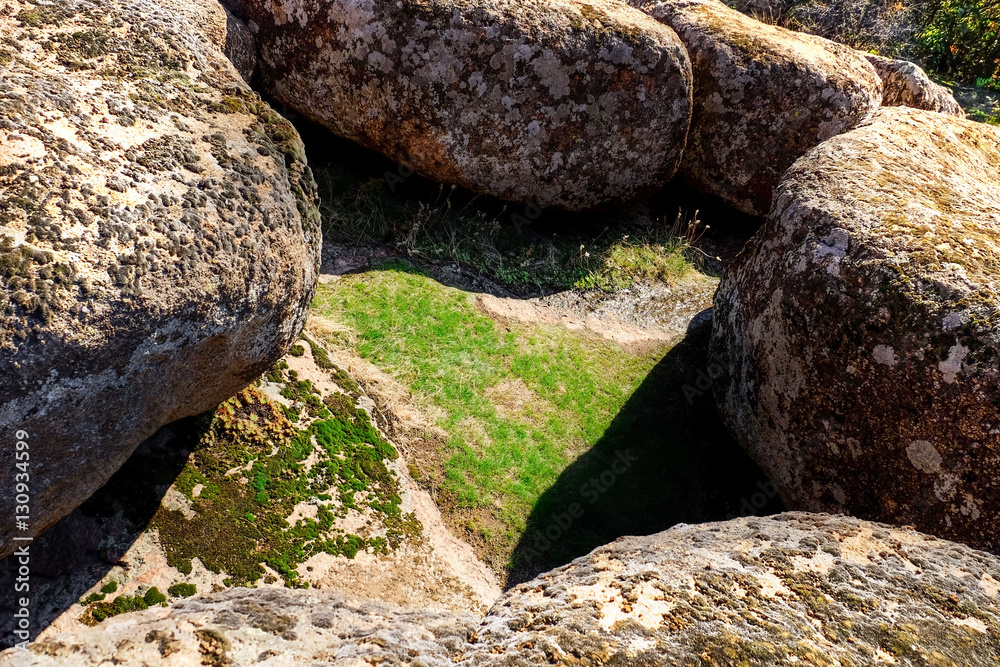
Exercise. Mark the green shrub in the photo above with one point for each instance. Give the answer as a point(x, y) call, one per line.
point(961, 38)
point(182, 590)
point(297, 351)
point(109, 587)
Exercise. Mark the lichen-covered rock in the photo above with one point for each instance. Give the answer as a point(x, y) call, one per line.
point(558, 103)
point(159, 239)
point(222, 28)
point(859, 328)
point(271, 626)
point(905, 84)
point(763, 96)
point(791, 589)
point(240, 47)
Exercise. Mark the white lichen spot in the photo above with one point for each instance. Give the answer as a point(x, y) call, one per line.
point(953, 321)
point(924, 456)
point(951, 366)
point(945, 487)
point(883, 354)
point(970, 507)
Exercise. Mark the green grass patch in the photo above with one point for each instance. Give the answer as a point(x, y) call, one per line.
point(520, 405)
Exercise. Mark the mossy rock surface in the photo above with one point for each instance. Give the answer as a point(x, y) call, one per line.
point(159, 237)
point(859, 328)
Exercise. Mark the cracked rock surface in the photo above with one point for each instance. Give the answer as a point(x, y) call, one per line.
point(159, 236)
point(859, 328)
point(763, 97)
point(795, 588)
point(557, 103)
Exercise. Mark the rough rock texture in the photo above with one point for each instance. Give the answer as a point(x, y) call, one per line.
point(763, 97)
point(904, 84)
point(268, 626)
point(159, 239)
point(859, 328)
point(222, 28)
point(791, 589)
point(555, 102)
point(240, 47)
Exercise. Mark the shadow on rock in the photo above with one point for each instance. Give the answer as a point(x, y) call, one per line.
point(666, 459)
point(84, 546)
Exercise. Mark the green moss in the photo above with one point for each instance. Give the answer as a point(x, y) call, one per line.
point(154, 597)
point(109, 587)
point(274, 375)
point(182, 590)
point(297, 351)
point(320, 355)
point(93, 597)
point(100, 611)
point(250, 435)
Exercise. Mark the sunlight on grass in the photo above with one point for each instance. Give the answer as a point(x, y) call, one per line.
point(519, 405)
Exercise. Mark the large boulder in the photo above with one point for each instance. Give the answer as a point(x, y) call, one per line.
point(791, 589)
point(763, 96)
point(858, 328)
point(558, 103)
point(159, 241)
point(905, 84)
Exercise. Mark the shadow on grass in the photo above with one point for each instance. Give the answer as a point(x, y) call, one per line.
point(666, 459)
point(83, 547)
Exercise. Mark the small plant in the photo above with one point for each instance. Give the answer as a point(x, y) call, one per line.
point(297, 351)
point(182, 590)
point(153, 597)
point(110, 587)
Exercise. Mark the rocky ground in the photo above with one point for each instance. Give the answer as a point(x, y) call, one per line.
point(384, 540)
point(422, 566)
point(792, 589)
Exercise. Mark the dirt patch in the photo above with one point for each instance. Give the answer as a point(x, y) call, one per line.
point(638, 319)
point(515, 400)
point(438, 570)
